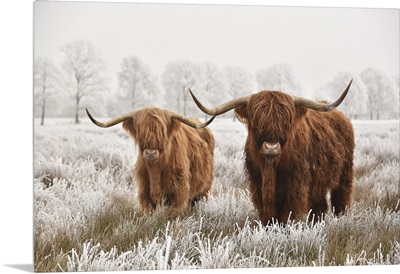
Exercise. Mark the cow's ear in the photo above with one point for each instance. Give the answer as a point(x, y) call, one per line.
point(128, 126)
point(175, 125)
point(300, 111)
point(241, 113)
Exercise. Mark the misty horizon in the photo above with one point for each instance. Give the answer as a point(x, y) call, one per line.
point(317, 43)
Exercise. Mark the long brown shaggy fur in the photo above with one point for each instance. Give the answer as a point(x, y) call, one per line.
point(184, 170)
point(316, 158)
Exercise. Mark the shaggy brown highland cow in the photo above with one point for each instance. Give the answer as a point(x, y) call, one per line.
point(175, 164)
point(297, 151)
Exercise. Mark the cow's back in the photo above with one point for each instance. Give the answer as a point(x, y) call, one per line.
point(201, 145)
point(331, 147)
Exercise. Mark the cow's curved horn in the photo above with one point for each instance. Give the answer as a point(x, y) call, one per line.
point(298, 101)
point(190, 122)
point(112, 122)
point(221, 108)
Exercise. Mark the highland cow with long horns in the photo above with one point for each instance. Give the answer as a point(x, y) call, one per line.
point(298, 152)
point(175, 164)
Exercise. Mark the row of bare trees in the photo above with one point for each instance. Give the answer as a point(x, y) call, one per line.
point(373, 94)
point(80, 82)
point(62, 90)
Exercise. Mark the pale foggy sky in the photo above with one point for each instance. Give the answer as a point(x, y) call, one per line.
point(316, 42)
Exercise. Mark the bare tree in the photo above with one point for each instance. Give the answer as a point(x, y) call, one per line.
point(177, 78)
point(138, 86)
point(240, 82)
point(279, 77)
point(356, 101)
point(83, 69)
point(383, 93)
point(215, 85)
point(45, 84)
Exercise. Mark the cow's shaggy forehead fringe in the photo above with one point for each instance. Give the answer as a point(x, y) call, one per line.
point(272, 115)
point(152, 126)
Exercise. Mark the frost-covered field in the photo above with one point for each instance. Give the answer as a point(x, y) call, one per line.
point(86, 214)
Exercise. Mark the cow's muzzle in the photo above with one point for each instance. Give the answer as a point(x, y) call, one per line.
point(151, 154)
point(268, 148)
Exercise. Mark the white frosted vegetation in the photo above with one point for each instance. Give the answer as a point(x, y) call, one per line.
point(87, 218)
point(377, 160)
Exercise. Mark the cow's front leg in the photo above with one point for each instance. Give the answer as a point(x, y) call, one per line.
point(178, 196)
point(146, 202)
